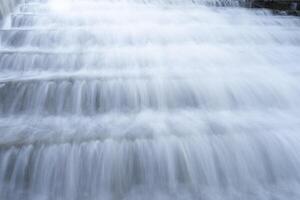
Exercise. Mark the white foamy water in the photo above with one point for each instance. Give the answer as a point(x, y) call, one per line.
point(149, 100)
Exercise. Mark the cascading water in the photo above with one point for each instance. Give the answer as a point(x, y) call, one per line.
point(155, 99)
point(6, 7)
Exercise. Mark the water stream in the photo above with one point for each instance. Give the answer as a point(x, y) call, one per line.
point(149, 100)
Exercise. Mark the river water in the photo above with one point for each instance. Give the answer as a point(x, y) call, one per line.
point(149, 100)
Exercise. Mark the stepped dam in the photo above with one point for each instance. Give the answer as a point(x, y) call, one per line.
point(148, 100)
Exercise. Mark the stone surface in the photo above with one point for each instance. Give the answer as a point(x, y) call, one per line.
point(282, 7)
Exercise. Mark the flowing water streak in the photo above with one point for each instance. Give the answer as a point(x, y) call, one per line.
point(149, 99)
point(6, 7)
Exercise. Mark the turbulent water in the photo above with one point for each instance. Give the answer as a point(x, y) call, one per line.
point(149, 100)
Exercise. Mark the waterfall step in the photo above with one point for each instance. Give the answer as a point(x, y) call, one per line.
point(149, 99)
point(51, 38)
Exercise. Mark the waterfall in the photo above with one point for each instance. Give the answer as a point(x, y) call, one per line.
point(6, 6)
point(149, 100)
